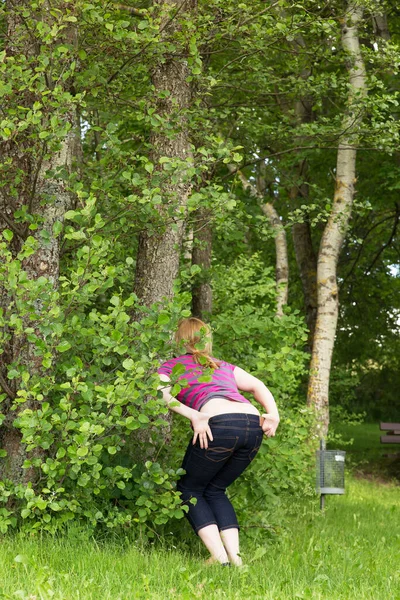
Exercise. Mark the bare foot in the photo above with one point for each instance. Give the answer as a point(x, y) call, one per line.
point(237, 562)
point(213, 561)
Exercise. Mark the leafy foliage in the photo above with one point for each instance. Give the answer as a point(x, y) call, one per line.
point(87, 405)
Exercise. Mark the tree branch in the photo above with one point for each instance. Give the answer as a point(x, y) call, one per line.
point(387, 244)
point(6, 388)
point(19, 231)
point(134, 11)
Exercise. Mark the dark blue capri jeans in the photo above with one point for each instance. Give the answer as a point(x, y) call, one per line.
point(237, 439)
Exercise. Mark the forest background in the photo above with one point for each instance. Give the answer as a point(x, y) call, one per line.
point(235, 161)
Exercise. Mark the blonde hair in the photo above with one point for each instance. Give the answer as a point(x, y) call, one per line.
point(190, 334)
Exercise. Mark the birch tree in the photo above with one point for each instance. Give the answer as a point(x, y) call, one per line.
point(336, 227)
point(281, 252)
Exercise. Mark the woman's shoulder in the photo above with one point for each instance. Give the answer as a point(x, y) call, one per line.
point(223, 364)
point(167, 366)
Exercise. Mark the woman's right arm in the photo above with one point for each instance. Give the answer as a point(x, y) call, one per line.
point(248, 383)
point(199, 420)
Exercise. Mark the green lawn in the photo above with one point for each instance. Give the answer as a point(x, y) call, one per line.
point(367, 456)
point(351, 551)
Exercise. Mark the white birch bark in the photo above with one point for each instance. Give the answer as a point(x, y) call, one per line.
point(336, 228)
point(282, 261)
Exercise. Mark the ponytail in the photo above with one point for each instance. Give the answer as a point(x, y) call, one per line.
point(191, 333)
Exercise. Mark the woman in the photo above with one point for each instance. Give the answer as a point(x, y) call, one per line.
point(228, 432)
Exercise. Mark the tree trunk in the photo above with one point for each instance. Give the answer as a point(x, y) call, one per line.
point(159, 250)
point(335, 230)
point(301, 232)
point(380, 25)
point(307, 264)
point(43, 192)
point(201, 256)
point(282, 262)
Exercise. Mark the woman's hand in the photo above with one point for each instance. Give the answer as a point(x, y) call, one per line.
point(270, 424)
point(201, 429)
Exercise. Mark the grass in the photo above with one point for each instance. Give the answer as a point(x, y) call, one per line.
point(351, 551)
point(366, 455)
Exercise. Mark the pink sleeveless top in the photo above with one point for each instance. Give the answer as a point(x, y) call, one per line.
point(222, 383)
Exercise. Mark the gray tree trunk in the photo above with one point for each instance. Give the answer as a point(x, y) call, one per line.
point(45, 195)
point(336, 228)
point(159, 250)
point(201, 256)
point(281, 252)
point(381, 28)
point(306, 258)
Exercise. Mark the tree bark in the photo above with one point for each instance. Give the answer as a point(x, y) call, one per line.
point(381, 28)
point(335, 230)
point(159, 251)
point(43, 191)
point(306, 258)
point(282, 261)
point(307, 264)
point(201, 256)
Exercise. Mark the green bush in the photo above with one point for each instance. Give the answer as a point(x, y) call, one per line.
point(85, 393)
point(90, 415)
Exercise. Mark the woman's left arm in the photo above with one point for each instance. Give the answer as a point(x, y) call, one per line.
point(248, 383)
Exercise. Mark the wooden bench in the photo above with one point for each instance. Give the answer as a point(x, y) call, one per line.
point(393, 433)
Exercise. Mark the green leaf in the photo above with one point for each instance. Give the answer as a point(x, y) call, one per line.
point(70, 215)
point(178, 369)
point(82, 451)
point(195, 269)
point(143, 418)
point(112, 450)
point(163, 319)
point(259, 553)
point(57, 228)
point(21, 558)
point(8, 235)
point(63, 346)
point(128, 364)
